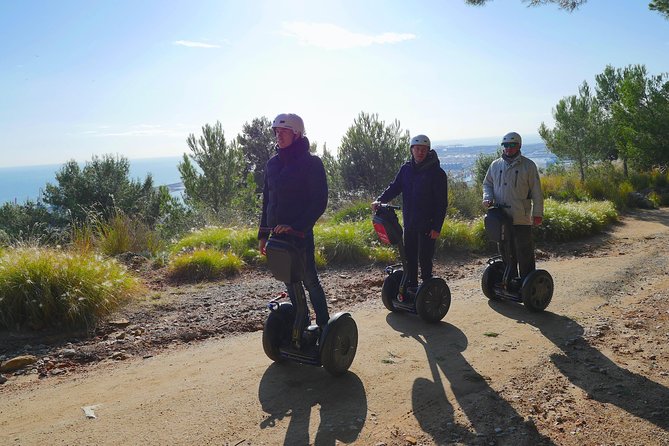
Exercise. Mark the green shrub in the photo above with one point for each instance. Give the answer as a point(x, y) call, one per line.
point(356, 211)
point(563, 187)
point(118, 234)
point(640, 180)
point(48, 287)
point(655, 198)
point(204, 264)
point(464, 201)
point(659, 178)
point(570, 221)
point(344, 243)
point(253, 257)
point(237, 240)
point(460, 235)
point(384, 254)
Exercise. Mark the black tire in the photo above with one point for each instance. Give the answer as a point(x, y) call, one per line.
point(433, 300)
point(537, 290)
point(493, 274)
point(340, 345)
point(276, 330)
point(391, 286)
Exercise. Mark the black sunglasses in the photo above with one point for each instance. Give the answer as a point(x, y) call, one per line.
point(511, 145)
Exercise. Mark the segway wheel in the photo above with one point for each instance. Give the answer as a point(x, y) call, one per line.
point(537, 290)
point(276, 329)
point(433, 300)
point(391, 286)
point(340, 345)
point(493, 274)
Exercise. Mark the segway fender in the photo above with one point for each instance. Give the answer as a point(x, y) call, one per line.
point(433, 300)
point(537, 290)
point(339, 343)
point(326, 329)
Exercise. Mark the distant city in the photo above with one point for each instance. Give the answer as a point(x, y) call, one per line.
point(459, 159)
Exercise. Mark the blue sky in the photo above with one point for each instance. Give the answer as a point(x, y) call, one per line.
point(135, 78)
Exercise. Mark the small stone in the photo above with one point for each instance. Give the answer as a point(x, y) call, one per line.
point(120, 323)
point(2, 379)
point(17, 363)
point(411, 440)
point(68, 352)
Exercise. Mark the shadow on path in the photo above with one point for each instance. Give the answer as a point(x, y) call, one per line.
point(589, 369)
point(493, 419)
point(292, 390)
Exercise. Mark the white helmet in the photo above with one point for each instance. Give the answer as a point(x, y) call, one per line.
point(512, 137)
point(289, 121)
point(420, 140)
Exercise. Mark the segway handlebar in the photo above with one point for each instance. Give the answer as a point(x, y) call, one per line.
point(270, 230)
point(499, 206)
point(390, 206)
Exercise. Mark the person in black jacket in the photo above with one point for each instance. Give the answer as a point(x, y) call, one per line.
point(295, 195)
point(424, 188)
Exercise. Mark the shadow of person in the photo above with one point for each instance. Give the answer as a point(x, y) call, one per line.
point(292, 390)
point(586, 367)
point(491, 417)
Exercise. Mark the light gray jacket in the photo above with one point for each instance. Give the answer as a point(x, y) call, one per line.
point(515, 184)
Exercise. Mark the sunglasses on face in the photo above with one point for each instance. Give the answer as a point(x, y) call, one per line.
point(510, 145)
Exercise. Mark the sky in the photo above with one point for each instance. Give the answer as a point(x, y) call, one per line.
point(135, 78)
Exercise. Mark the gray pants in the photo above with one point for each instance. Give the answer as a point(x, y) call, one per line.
point(522, 251)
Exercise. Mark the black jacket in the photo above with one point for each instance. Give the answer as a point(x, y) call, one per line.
point(424, 189)
point(295, 190)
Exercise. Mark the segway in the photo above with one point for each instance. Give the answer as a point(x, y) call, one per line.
point(432, 299)
point(500, 278)
point(287, 334)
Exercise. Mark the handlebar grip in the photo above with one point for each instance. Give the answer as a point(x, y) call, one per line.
point(390, 206)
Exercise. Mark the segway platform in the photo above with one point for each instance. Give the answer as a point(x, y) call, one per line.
point(287, 334)
point(432, 299)
point(499, 281)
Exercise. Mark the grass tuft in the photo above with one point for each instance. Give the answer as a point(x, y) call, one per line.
point(42, 287)
point(204, 264)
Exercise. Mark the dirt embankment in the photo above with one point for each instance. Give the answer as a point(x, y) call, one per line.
point(187, 367)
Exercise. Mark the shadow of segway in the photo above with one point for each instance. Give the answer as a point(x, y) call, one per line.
point(589, 369)
point(292, 390)
point(490, 415)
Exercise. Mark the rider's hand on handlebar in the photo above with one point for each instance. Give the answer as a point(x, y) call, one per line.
point(261, 246)
point(375, 205)
point(487, 203)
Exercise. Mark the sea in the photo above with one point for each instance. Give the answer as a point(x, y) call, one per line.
point(18, 184)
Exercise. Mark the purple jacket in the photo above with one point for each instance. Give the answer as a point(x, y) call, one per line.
point(424, 189)
point(295, 190)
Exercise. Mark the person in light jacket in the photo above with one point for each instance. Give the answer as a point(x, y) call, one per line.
point(513, 182)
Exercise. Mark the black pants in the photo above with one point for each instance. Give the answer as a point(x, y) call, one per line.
point(522, 247)
point(312, 284)
point(418, 246)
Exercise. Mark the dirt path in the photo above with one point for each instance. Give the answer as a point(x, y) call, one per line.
point(593, 370)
